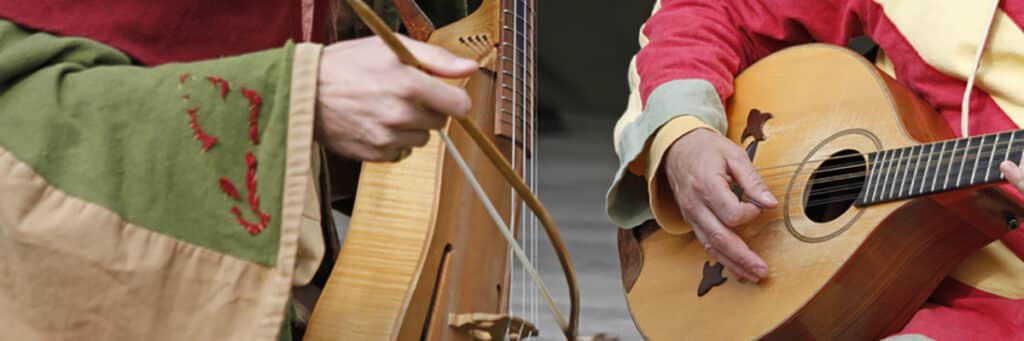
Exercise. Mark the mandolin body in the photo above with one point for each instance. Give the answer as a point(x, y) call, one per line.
point(860, 272)
point(420, 246)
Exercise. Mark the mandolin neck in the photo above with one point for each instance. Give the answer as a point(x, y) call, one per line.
point(908, 172)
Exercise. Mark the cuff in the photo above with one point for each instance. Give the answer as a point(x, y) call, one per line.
point(304, 159)
point(628, 203)
point(662, 202)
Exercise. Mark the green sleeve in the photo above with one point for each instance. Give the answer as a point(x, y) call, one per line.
point(140, 141)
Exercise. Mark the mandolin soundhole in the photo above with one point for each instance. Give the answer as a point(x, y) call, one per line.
point(834, 186)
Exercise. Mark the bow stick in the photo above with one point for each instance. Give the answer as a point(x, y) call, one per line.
point(570, 327)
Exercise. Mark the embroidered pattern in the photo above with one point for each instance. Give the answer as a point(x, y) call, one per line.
point(228, 188)
point(193, 121)
point(224, 87)
point(254, 114)
point(208, 141)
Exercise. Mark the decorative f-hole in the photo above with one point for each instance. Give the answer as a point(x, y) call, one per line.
point(755, 129)
point(712, 277)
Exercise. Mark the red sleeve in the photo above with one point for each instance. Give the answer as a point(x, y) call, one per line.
point(715, 40)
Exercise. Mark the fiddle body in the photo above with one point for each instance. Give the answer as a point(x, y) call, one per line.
point(421, 256)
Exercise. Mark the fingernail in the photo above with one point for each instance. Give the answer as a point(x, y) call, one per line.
point(463, 63)
point(768, 198)
point(761, 271)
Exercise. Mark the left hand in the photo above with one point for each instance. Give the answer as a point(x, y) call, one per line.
point(1014, 174)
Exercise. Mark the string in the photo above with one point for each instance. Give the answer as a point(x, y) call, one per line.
point(534, 185)
point(888, 162)
point(505, 230)
point(952, 152)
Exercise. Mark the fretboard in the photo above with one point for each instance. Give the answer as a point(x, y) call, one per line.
point(903, 173)
point(516, 71)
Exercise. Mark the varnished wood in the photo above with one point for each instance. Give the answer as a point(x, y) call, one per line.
point(863, 283)
point(417, 24)
point(460, 264)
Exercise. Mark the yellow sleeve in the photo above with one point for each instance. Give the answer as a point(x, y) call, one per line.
point(662, 203)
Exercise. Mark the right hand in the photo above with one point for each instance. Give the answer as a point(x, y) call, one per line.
point(700, 168)
point(372, 107)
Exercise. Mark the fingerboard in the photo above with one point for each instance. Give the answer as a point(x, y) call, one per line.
point(515, 73)
point(903, 173)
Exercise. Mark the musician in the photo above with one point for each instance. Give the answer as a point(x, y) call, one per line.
point(676, 166)
point(160, 165)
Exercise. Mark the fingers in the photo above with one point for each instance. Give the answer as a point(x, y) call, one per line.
point(743, 172)
point(436, 95)
point(1014, 175)
point(440, 62)
point(727, 247)
point(405, 115)
point(727, 207)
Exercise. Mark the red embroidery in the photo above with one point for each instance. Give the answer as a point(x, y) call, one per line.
point(224, 87)
point(183, 77)
point(226, 185)
point(252, 228)
point(254, 199)
point(254, 113)
point(228, 188)
point(207, 140)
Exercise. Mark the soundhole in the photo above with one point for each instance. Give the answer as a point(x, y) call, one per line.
point(834, 186)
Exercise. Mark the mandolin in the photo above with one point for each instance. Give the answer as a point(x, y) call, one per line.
point(875, 199)
point(425, 257)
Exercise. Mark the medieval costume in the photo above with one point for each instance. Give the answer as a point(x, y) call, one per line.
point(691, 50)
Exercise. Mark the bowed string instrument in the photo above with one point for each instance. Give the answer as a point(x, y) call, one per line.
point(430, 247)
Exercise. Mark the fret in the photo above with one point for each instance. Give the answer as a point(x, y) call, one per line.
point(997, 148)
point(977, 159)
point(927, 165)
point(895, 172)
point(938, 165)
point(873, 166)
point(949, 168)
point(1021, 159)
point(1009, 145)
point(876, 169)
point(878, 176)
point(963, 162)
point(906, 170)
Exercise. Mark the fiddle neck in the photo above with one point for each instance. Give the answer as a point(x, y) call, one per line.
point(516, 107)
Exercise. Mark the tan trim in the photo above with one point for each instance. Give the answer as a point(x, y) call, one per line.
point(660, 197)
point(72, 270)
point(311, 238)
point(301, 116)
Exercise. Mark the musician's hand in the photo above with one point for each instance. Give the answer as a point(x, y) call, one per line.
point(700, 167)
point(1013, 174)
point(372, 107)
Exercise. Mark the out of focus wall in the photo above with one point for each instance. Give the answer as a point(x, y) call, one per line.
point(584, 47)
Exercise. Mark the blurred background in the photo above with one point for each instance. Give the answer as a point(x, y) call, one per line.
point(584, 48)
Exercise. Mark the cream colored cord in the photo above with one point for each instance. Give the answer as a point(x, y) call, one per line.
point(965, 105)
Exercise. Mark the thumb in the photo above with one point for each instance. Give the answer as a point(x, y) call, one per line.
point(753, 185)
point(439, 62)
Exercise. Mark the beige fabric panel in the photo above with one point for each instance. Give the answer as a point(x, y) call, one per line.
point(71, 270)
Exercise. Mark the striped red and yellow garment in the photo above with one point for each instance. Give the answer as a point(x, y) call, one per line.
point(692, 49)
